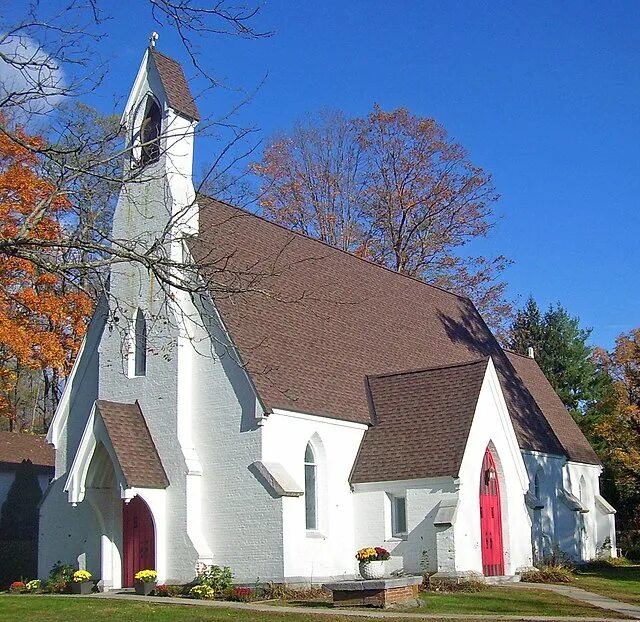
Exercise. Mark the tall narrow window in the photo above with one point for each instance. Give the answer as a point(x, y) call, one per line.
point(398, 516)
point(150, 133)
point(310, 488)
point(536, 484)
point(140, 345)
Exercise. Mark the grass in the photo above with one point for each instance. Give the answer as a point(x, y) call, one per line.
point(510, 601)
point(496, 600)
point(619, 582)
point(502, 601)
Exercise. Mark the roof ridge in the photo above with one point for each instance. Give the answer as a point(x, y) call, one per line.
point(154, 50)
point(483, 359)
point(335, 248)
point(523, 356)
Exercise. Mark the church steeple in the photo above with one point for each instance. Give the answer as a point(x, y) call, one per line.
point(159, 118)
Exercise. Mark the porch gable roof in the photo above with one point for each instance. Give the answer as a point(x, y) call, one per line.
point(134, 448)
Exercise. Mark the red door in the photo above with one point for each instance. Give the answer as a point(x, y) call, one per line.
point(490, 518)
point(139, 540)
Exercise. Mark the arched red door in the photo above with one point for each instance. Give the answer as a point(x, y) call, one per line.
point(138, 538)
point(490, 518)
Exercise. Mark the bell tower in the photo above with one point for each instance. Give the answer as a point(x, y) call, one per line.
point(157, 199)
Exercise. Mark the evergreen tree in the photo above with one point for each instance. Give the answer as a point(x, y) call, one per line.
point(19, 514)
point(561, 349)
point(527, 329)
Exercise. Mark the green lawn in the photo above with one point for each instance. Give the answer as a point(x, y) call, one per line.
point(510, 601)
point(619, 582)
point(18, 608)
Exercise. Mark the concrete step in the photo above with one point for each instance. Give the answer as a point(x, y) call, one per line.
point(503, 579)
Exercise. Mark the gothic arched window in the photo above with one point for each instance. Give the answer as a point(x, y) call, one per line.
point(140, 344)
point(310, 488)
point(536, 483)
point(150, 133)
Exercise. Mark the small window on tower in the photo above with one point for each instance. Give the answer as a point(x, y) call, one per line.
point(140, 345)
point(150, 133)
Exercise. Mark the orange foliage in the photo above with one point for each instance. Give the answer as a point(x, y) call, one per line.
point(42, 319)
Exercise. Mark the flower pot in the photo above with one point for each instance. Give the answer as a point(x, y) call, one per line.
point(144, 588)
point(81, 587)
point(372, 570)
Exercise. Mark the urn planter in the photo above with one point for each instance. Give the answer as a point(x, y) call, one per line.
point(144, 588)
point(372, 570)
point(81, 587)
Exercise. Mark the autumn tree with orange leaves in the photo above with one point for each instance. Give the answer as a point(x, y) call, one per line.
point(42, 317)
point(616, 433)
point(392, 187)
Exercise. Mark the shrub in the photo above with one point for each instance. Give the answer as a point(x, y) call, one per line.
point(202, 591)
point(219, 579)
point(19, 513)
point(470, 583)
point(547, 573)
point(605, 562)
point(280, 591)
point(17, 587)
point(241, 594)
point(629, 544)
point(18, 558)
point(59, 578)
point(169, 590)
point(33, 586)
point(146, 576)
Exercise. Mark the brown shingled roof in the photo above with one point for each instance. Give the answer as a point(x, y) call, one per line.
point(562, 423)
point(330, 319)
point(422, 422)
point(175, 85)
point(132, 442)
point(16, 447)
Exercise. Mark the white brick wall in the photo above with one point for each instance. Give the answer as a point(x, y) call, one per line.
point(330, 551)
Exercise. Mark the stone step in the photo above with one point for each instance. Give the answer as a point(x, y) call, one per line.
point(501, 580)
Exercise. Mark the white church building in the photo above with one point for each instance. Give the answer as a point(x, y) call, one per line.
point(325, 405)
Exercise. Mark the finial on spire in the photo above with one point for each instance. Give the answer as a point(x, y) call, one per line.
point(153, 38)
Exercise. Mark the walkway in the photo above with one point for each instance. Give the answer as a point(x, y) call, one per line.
point(575, 593)
point(597, 600)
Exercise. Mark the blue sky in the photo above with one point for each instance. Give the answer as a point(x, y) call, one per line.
point(544, 95)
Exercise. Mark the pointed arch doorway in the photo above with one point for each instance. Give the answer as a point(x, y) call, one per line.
point(138, 539)
point(490, 518)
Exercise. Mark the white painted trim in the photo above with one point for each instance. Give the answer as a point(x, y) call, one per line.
point(94, 432)
point(491, 377)
point(422, 482)
point(543, 454)
point(595, 467)
point(319, 419)
point(604, 505)
point(62, 411)
point(133, 94)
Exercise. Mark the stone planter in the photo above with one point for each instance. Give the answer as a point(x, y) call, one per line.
point(371, 570)
point(144, 588)
point(81, 587)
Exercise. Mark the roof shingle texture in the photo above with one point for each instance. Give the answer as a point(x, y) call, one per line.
point(132, 442)
point(562, 423)
point(422, 423)
point(175, 85)
point(16, 447)
point(313, 321)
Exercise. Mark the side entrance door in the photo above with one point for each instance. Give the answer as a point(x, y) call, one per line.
point(490, 518)
point(139, 540)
